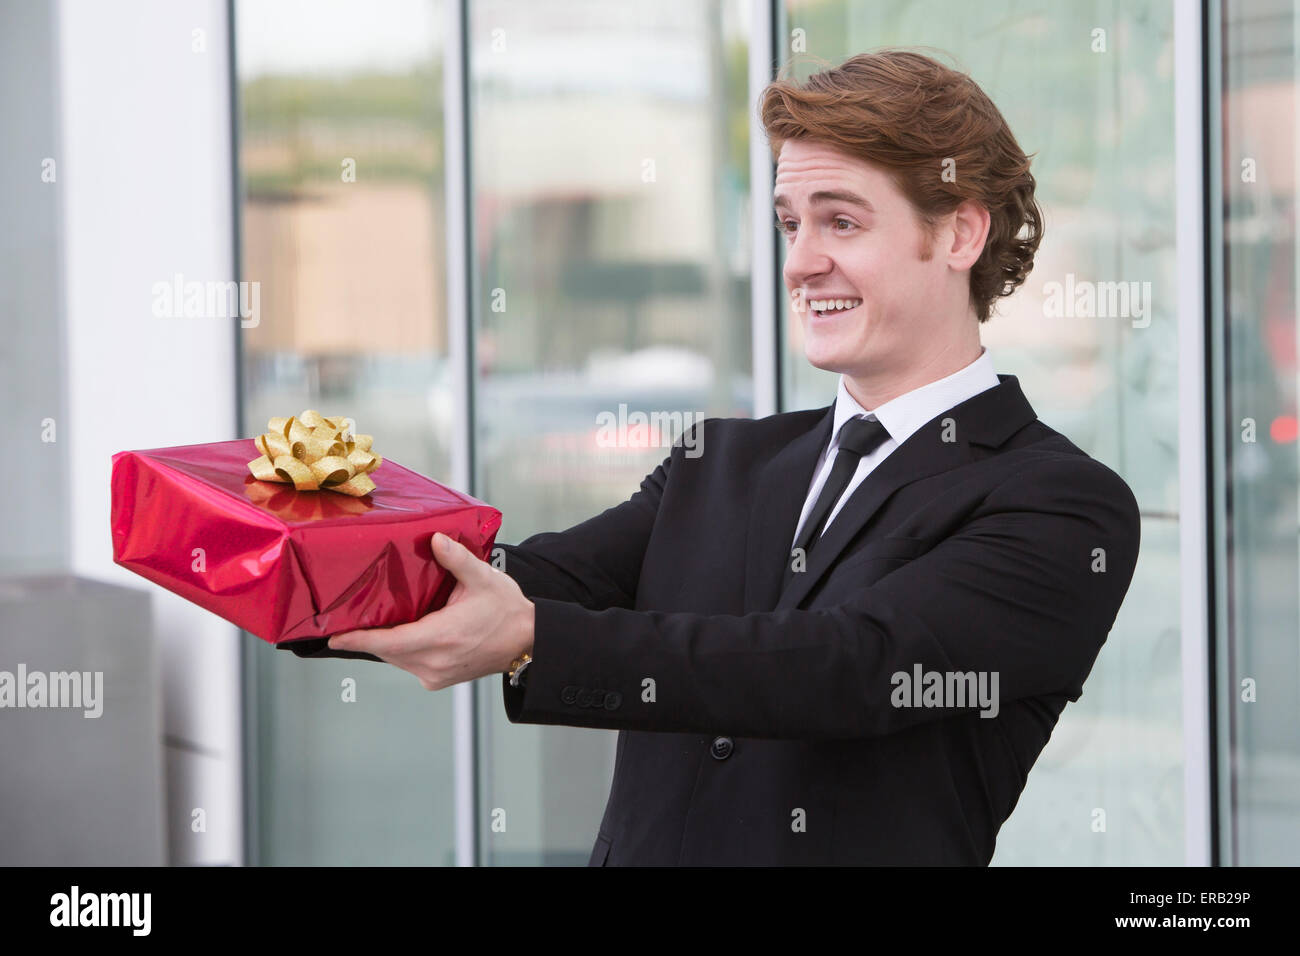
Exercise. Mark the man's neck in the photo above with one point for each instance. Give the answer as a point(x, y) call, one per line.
point(871, 392)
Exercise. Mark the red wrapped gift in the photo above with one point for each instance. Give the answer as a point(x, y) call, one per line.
point(293, 567)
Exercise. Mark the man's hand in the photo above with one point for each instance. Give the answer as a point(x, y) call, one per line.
point(486, 624)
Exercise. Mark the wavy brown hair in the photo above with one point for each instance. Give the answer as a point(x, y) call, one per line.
point(910, 114)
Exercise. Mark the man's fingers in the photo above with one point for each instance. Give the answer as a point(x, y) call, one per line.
point(456, 558)
point(343, 642)
point(364, 641)
point(383, 642)
point(373, 642)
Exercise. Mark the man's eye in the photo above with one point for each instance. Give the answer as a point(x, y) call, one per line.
point(787, 227)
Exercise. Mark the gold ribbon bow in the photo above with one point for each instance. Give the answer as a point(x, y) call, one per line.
point(314, 452)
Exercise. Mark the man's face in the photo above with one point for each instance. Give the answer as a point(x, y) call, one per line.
point(861, 243)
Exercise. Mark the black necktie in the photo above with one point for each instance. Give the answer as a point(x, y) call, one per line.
point(858, 436)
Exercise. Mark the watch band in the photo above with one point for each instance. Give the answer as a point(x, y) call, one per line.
point(517, 668)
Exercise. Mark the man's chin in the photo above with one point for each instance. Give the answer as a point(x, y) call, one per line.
point(828, 360)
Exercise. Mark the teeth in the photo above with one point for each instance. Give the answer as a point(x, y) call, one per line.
point(832, 305)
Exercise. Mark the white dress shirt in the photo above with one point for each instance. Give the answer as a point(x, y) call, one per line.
point(901, 417)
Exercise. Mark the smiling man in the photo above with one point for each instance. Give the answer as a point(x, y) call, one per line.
point(842, 635)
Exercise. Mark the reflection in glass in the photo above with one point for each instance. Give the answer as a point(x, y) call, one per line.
point(610, 280)
point(1103, 167)
point(1259, 676)
point(341, 161)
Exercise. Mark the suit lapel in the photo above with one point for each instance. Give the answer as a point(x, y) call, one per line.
point(778, 498)
point(987, 419)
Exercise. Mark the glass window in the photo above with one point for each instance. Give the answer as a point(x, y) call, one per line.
point(34, 509)
point(1096, 114)
point(341, 161)
point(610, 279)
point(1259, 477)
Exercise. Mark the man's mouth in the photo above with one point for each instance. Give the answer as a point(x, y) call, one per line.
point(824, 307)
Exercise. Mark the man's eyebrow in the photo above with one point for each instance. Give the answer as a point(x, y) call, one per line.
point(829, 195)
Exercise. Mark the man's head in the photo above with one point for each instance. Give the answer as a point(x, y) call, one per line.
point(946, 192)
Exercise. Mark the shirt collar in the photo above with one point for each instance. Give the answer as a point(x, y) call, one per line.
point(904, 414)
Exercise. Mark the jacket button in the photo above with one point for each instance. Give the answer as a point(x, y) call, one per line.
point(569, 694)
point(612, 700)
point(722, 747)
point(584, 697)
point(598, 699)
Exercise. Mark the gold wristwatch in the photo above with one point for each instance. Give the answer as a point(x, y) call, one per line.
point(517, 668)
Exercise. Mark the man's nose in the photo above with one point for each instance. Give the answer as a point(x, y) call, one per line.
point(804, 260)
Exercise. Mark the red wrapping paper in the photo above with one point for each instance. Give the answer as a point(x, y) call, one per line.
point(284, 564)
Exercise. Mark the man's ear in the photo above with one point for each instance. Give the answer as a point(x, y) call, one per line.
point(970, 230)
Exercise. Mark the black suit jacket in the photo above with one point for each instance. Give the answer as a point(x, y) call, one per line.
point(759, 725)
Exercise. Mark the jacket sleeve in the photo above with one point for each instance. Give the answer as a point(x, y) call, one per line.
point(595, 564)
point(1026, 590)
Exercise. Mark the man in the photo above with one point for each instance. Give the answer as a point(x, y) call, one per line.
point(840, 635)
